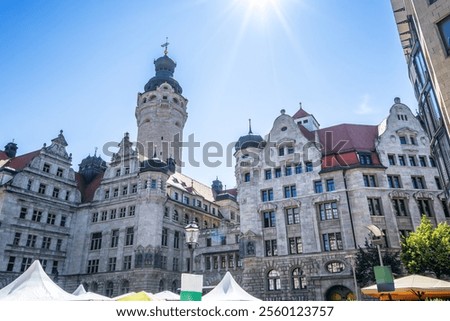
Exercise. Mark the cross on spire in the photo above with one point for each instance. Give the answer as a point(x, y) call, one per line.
point(165, 45)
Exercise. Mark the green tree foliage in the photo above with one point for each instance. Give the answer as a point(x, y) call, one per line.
point(367, 258)
point(427, 249)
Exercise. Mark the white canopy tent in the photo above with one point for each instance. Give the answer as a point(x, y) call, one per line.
point(34, 285)
point(168, 296)
point(84, 295)
point(228, 290)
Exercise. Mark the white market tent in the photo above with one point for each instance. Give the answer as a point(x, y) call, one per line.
point(228, 290)
point(82, 294)
point(168, 296)
point(34, 285)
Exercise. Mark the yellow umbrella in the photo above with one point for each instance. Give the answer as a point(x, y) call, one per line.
point(139, 296)
point(412, 288)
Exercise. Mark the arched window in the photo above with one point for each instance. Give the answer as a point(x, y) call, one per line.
point(125, 287)
point(205, 224)
point(298, 279)
point(109, 289)
point(186, 219)
point(161, 285)
point(273, 280)
point(94, 286)
point(174, 287)
point(196, 220)
point(144, 100)
point(175, 216)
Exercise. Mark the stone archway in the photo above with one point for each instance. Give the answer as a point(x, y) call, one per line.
point(339, 293)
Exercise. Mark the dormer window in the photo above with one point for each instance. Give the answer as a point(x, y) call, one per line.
point(46, 168)
point(365, 159)
point(402, 140)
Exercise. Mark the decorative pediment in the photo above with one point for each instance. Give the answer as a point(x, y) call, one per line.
point(267, 206)
point(398, 194)
point(290, 203)
point(422, 195)
point(326, 198)
point(58, 147)
point(249, 235)
point(407, 131)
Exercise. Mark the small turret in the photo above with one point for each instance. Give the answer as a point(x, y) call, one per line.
point(11, 150)
point(91, 166)
point(217, 186)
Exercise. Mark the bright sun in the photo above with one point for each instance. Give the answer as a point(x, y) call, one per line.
point(259, 8)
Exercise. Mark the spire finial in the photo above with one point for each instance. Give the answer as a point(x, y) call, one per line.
point(300, 103)
point(250, 126)
point(95, 151)
point(165, 45)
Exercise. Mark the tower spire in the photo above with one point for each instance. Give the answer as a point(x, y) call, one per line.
point(165, 45)
point(250, 126)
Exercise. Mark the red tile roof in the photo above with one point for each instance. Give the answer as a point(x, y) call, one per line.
point(88, 190)
point(3, 155)
point(20, 162)
point(346, 137)
point(300, 114)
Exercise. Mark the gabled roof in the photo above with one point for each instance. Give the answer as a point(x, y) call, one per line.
point(300, 114)
point(20, 162)
point(346, 137)
point(88, 190)
point(3, 155)
point(191, 186)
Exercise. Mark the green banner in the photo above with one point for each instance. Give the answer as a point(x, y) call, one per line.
point(384, 278)
point(190, 296)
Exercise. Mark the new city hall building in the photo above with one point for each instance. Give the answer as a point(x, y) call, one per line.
point(304, 198)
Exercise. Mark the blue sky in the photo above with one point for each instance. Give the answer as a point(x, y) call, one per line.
point(78, 66)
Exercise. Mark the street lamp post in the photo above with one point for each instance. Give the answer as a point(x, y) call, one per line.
point(377, 239)
point(192, 232)
point(355, 282)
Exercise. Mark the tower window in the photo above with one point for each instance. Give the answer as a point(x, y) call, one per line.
point(444, 29)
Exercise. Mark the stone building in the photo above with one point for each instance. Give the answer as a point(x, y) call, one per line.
point(424, 30)
point(303, 200)
point(307, 195)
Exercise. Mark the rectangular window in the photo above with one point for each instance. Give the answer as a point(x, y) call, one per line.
point(318, 188)
point(116, 192)
point(124, 190)
point(290, 191)
point(375, 207)
point(112, 264)
point(29, 184)
point(92, 266)
point(112, 214)
point(175, 264)
point(131, 210)
point(391, 159)
point(295, 245)
point(425, 207)
point(208, 242)
point(271, 247)
point(127, 262)
point(96, 241)
point(176, 240)
point(438, 183)
point(332, 242)
point(114, 238)
point(104, 216)
point(67, 195)
point(46, 241)
point(402, 140)
point(399, 206)
point(117, 172)
point(122, 212)
point(412, 161)
point(369, 181)
point(176, 196)
point(247, 177)
point(277, 172)
point(281, 151)
point(186, 200)
point(418, 182)
point(269, 219)
point(51, 218)
point(290, 150)
point(129, 236)
point(31, 240)
point(23, 212)
point(267, 195)
point(164, 237)
point(55, 193)
point(42, 188)
point(365, 159)
point(444, 29)
point(10, 267)
point(401, 160)
point(63, 221)
point(106, 194)
point(309, 166)
point(58, 245)
point(134, 189)
point(16, 239)
point(26, 262)
point(46, 168)
point(127, 170)
point(59, 172)
point(328, 211)
point(445, 208)
point(153, 184)
point(268, 174)
point(432, 162)
point(223, 240)
point(37, 215)
point(413, 140)
point(394, 181)
point(292, 215)
point(298, 168)
point(288, 170)
point(330, 185)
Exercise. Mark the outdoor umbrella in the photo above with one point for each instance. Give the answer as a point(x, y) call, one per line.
point(411, 288)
